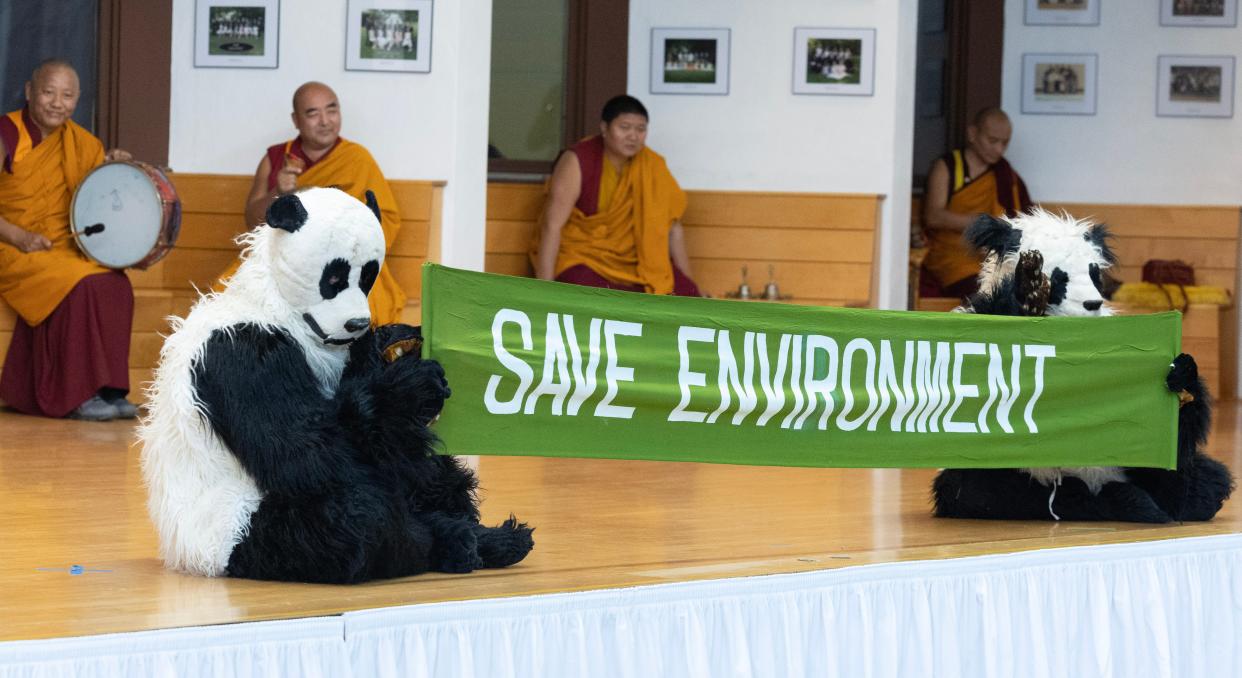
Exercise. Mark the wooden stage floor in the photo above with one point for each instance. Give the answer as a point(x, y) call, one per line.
point(71, 495)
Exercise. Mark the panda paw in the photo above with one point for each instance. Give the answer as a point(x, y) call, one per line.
point(1183, 374)
point(1031, 287)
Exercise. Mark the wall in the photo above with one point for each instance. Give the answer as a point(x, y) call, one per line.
point(761, 137)
point(1124, 153)
point(418, 126)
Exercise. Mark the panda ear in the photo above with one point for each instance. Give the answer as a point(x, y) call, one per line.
point(1099, 235)
point(286, 213)
point(374, 205)
point(993, 235)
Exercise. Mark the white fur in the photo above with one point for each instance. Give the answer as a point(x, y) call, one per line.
point(1060, 239)
point(199, 496)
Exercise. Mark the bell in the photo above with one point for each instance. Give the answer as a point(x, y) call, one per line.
point(743, 290)
point(770, 291)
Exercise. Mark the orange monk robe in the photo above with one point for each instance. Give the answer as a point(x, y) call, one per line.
point(350, 167)
point(37, 197)
point(627, 241)
point(949, 258)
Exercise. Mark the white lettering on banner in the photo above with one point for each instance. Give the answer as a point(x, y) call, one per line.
point(803, 381)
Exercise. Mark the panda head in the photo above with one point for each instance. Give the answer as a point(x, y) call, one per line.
point(326, 253)
point(1075, 254)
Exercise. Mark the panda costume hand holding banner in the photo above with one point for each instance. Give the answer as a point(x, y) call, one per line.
point(283, 441)
point(1041, 264)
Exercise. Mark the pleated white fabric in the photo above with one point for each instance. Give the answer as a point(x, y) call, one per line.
point(313, 648)
point(1168, 608)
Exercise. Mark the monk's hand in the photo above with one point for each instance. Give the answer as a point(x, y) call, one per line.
point(118, 154)
point(287, 177)
point(31, 242)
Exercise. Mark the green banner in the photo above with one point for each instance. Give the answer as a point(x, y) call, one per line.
point(548, 369)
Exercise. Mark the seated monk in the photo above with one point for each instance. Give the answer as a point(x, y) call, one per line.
point(70, 350)
point(612, 218)
point(962, 185)
point(320, 157)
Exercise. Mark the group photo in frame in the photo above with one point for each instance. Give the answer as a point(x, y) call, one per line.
point(690, 60)
point(834, 61)
point(1059, 84)
point(1062, 13)
point(1194, 86)
point(388, 35)
point(1221, 13)
point(236, 33)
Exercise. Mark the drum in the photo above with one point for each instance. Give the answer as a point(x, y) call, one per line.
point(125, 215)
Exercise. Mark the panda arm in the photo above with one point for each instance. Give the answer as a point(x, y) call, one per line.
point(264, 402)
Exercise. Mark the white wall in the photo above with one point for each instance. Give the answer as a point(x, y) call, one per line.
point(418, 126)
point(762, 137)
point(1124, 153)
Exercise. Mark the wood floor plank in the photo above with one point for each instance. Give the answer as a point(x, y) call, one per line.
point(71, 494)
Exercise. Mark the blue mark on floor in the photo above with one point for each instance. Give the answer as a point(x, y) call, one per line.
point(73, 570)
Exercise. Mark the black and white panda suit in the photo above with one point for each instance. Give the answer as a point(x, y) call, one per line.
point(280, 444)
point(1043, 264)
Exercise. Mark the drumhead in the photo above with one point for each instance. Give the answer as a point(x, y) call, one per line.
point(122, 198)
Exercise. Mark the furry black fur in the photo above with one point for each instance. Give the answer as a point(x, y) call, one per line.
point(352, 487)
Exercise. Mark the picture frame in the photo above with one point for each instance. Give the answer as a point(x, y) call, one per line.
point(1206, 13)
point(690, 61)
point(1194, 86)
point(388, 35)
point(838, 61)
point(1062, 13)
point(237, 34)
point(1059, 84)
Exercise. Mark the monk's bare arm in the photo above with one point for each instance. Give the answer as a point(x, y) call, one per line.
point(12, 234)
point(260, 197)
point(563, 191)
point(936, 212)
point(677, 248)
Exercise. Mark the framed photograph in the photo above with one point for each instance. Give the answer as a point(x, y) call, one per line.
point(834, 61)
point(236, 33)
point(1058, 84)
point(1194, 86)
point(1062, 13)
point(1198, 12)
point(388, 35)
point(689, 61)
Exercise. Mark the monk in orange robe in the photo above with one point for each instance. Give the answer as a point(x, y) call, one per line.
point(70, 347)
point(961, 186)
point(320, 157)
point(612, 218)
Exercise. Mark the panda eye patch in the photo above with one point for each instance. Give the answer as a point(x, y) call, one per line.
point(369, 272)
point(335, 278)
point(1094, 271)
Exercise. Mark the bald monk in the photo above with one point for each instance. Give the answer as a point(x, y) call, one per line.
point(70, 348)
point(613, 211)
point(320, 157)
point(962, 185)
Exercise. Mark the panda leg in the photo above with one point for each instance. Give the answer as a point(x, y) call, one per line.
point(340, 538)
point(1008, 494)
point(1195, 491)
point(1003, 494)
point(505, 544)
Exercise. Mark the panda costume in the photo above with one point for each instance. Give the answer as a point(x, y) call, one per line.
point(286, 440)
point(1042, 264)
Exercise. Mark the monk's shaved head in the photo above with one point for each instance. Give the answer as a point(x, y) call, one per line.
point(308, 89)
point(52, 94)
point(50, 66)
point(991, 112)
point(317, 115)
